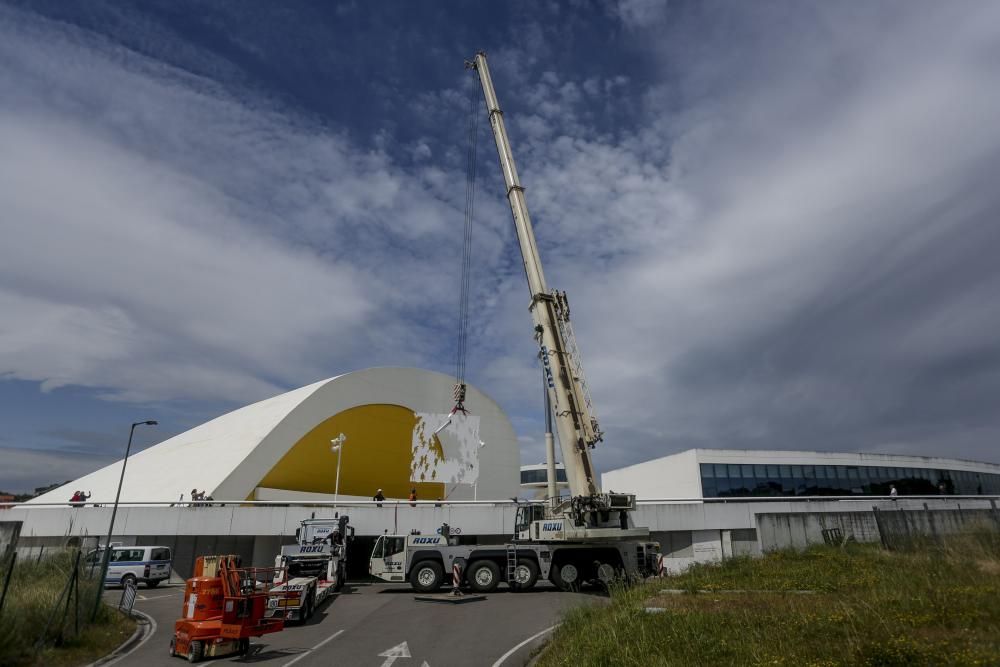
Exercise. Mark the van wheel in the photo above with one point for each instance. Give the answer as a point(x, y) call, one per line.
point(128, 579)
point(196, 651)
point(152, 583)
point(484, 576)
point(427, 576)
point(525, 575)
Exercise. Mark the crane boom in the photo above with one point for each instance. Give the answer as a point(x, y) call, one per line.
point(577, 427)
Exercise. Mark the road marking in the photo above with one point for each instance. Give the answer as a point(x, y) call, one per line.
point(143, 598)
point(317, 646)
point(526, 641)
point(393, 654)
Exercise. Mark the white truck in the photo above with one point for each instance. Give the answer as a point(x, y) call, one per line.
point(312, 570)
point(586, 537)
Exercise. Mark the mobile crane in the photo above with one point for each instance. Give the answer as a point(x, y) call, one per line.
point(587, 536)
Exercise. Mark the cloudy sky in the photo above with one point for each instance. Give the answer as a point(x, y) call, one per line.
point(777, 222)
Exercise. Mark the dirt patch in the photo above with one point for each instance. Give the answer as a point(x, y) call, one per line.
point(988, 566)
point(725, 602)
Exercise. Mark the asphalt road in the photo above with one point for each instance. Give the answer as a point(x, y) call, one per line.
point(380, 625)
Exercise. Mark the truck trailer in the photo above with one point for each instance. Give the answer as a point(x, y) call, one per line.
point(315, 568)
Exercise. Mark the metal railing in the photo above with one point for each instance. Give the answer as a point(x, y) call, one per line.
point(484, 503)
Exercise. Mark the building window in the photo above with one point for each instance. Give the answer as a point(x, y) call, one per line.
point(542, 476)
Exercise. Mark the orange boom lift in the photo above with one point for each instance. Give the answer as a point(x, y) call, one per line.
point(224, 607)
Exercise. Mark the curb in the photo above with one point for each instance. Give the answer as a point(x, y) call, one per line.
point(529, 644)
point(145, 629)
point(540, 644)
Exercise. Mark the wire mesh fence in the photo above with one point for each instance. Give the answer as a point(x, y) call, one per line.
point(45, 602)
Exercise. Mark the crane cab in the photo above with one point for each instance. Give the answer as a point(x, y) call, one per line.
point(388, 558)
point(527, 516)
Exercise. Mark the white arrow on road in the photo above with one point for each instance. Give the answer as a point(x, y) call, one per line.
point(395, 653)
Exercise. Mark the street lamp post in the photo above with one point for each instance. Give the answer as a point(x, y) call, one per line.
point(337, 445)
point(114, 511)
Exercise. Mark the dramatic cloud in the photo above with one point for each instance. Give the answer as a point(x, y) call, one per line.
point(777, 222)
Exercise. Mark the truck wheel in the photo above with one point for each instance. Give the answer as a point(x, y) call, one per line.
point(484, 576)
point(196, 651)
point(340, 579)
point(525, 575)
point(307, 609)
point(565, 577)
point(427, 576)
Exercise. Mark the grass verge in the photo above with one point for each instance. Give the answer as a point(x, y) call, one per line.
point(34, 593)
point(936, 606)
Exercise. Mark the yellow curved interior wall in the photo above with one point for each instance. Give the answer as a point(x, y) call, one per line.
point(376, 455)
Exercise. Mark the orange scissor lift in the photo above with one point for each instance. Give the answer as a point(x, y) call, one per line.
point(224, 606)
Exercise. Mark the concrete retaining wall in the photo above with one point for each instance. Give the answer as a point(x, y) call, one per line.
point(688, 532)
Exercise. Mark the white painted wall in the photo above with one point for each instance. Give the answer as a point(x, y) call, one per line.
point(483, 518)
point(674, 476)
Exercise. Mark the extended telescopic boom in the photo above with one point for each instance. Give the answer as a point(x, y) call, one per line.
point(577, 427)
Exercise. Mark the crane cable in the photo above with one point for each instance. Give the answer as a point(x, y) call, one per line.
point(470, 207)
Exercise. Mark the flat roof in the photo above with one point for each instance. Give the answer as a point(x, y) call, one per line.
point(800, 457)
point(834, 458)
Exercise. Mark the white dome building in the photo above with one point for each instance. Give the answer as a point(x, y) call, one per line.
point(279, 448)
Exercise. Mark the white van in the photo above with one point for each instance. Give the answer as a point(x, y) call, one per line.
point(150, 565)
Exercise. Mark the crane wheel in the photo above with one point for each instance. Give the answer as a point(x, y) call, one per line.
point(426, 576)
point(525, 575)
point(484, 576)
point(565, 576)
point(606, 575)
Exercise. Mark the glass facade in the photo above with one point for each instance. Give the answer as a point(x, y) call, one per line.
point(720, 480)
point(541, 476)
